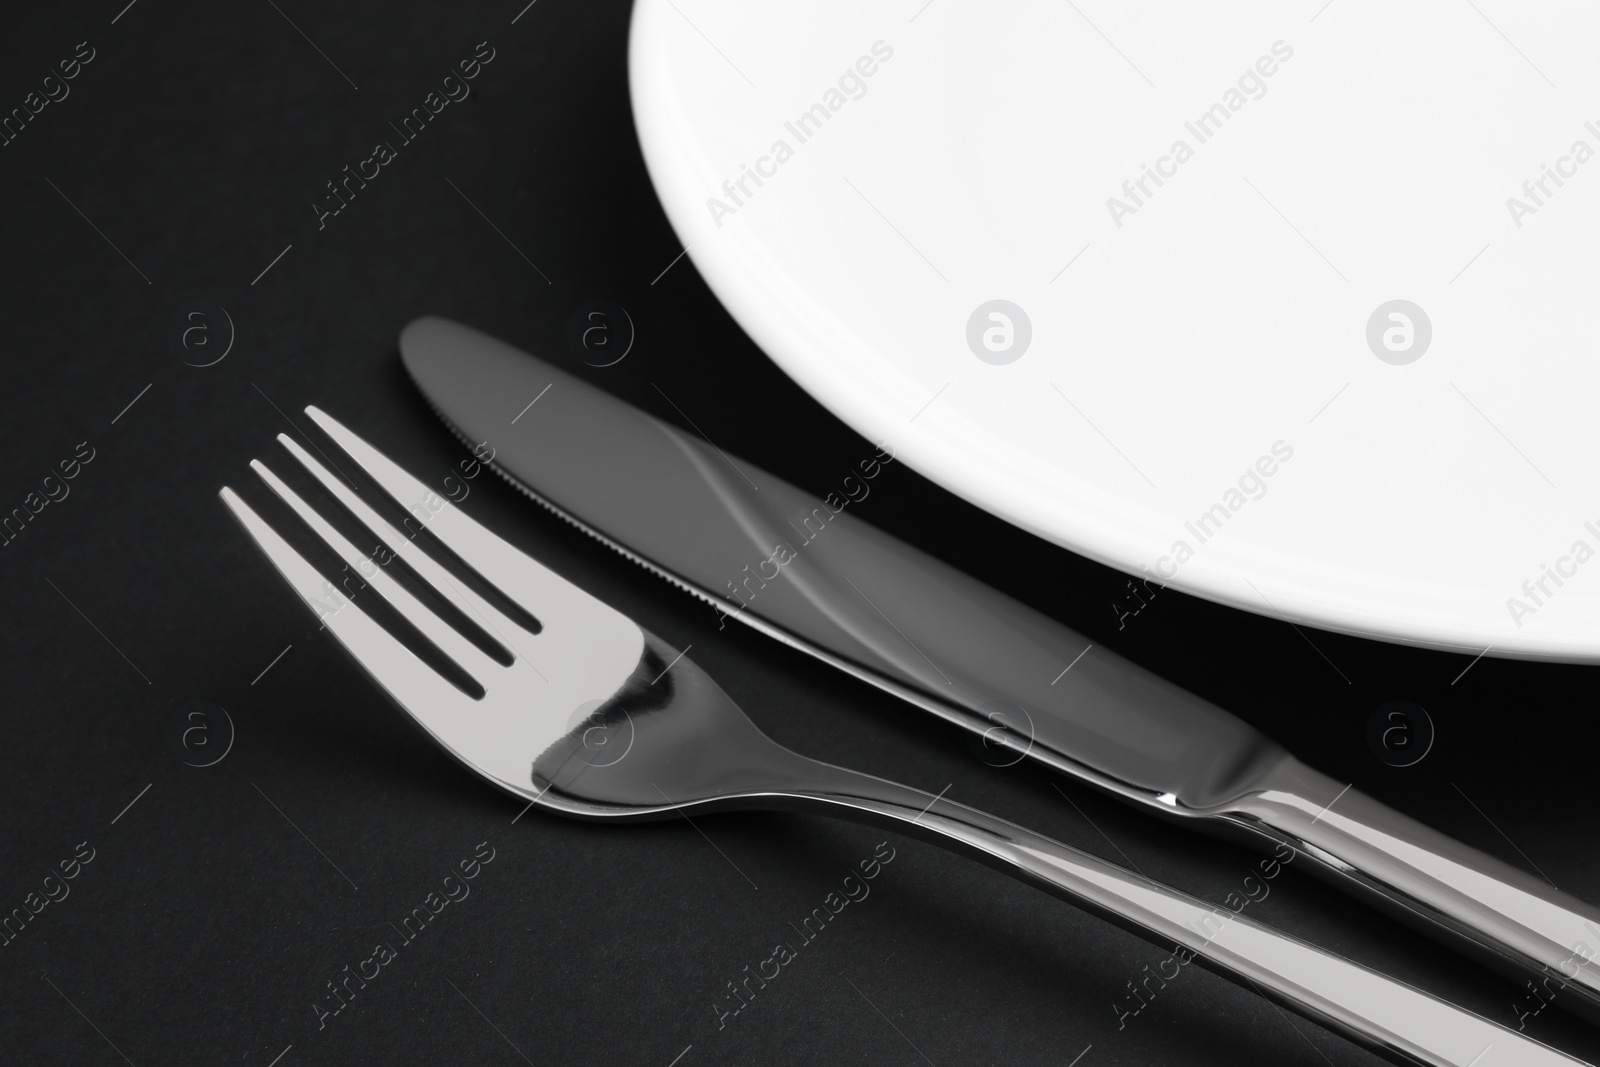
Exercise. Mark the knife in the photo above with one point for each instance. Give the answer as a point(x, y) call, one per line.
point(806, 571)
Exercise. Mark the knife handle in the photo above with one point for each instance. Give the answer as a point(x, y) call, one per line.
point(1515, 922)
point(1400, 1022)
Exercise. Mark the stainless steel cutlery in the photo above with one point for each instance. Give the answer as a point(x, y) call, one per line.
point(894, 616)
point(571, 705)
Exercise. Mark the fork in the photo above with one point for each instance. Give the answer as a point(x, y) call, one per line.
point(586, 714)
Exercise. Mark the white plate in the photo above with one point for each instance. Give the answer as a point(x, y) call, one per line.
point(1359, 153)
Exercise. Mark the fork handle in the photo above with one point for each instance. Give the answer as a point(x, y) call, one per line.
point(1402, 1023)
point(1515, 922)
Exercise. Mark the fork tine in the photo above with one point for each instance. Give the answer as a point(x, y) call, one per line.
point(466, 655)
point(427, 695)
point(465, 599)
point(517, 575)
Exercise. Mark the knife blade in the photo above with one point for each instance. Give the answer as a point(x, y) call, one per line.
point(805, 570)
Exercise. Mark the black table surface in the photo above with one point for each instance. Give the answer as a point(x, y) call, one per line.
point(174, 297)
